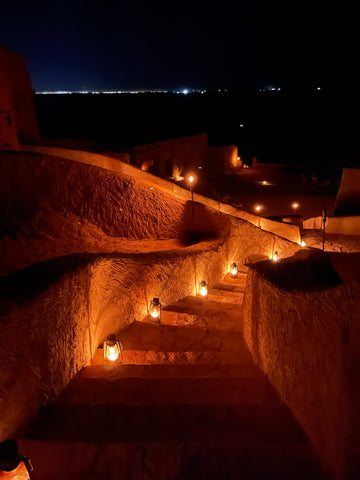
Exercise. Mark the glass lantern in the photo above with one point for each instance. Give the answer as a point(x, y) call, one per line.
point(12, 464)
point(276, 256)
point(112, 349)
point(203, 289)
point(155, 309)
point(234, 270)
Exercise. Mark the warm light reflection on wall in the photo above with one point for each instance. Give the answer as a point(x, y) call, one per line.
point(155, 309)
point(203, 289)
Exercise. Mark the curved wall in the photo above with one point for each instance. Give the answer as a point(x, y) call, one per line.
point(308, 344)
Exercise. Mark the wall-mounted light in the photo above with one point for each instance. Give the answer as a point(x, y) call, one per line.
point(276, 256)
point(112, 349)
point(155, 309)
point(203, 288)
point(234, 270)
point(303, 244)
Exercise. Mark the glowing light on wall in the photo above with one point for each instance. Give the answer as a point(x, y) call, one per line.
point(203, 289)
point(303, 244)
point(234, 270)
point(155, 309)
point(275, 256)
point(112, 349)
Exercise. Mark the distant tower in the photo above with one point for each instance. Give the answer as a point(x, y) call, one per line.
point(18, 122)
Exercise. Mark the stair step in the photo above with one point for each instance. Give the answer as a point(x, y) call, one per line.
point(172, 461)
point(225, 296)
point(166, 423)
point(203, 313)
point(239, 280)
point(166, 391)
point(190, 357)
point(117, 371)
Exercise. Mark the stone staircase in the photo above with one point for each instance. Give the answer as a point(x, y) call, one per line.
point(187, 402)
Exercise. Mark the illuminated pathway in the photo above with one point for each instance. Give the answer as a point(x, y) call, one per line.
point(186, 403)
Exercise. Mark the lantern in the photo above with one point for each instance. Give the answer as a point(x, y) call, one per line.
point(303, 243)
point(112, 349)
point(12, 464)
point(155, 309)
point(276, 256)
point(234, 270)
point(203, 290)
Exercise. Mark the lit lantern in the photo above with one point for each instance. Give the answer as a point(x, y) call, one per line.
point(203, 290)
point(303, 243)
point(155, 309)
point(13, 466)
point(276, 256)
point(112, 349)
point(234, 270)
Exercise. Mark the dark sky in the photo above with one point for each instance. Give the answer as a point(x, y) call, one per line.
point(96, 45)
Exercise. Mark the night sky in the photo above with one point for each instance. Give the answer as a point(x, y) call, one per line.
point(72, 44)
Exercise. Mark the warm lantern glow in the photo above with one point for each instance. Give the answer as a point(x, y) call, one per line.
point(13, 466)
point(234, 270)
point(276, 256)
point(295, 205)
point(112, 349)
point(303, 243)
point(155, 308)
point(264, 182)
point(203, 290)
point(258, 208)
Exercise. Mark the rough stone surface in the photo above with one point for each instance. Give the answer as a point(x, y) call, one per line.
point(307, 342)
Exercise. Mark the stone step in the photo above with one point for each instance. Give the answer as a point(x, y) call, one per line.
point(186, 357)
point(239, 280)
point(169, 391)
point(117, 371)
point(146, 343)
point(166, 423)
point(203, 312)
point(57, 460)
point(224, 295)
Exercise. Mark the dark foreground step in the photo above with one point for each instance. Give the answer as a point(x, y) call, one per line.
point(166, 423)
point(162, 391)
point(171, 461)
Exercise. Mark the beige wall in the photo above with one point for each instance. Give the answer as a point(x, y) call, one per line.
point(342, 225)
point(308, 345)
point(348, 197)
point(290, 232)
point(17, 92)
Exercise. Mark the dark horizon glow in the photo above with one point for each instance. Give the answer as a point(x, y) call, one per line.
point(85, 45)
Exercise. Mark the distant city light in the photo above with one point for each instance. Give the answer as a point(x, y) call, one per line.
point(242, 125)
point(264, 182)
point(318, 88)
point(200, 167)
point(185, 92)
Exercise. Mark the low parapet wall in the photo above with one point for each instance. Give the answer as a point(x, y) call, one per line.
point(307, 342)
point(342, 225)
point(290, 232)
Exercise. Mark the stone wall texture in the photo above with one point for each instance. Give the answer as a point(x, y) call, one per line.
point(307, 339)
point(55, 312)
